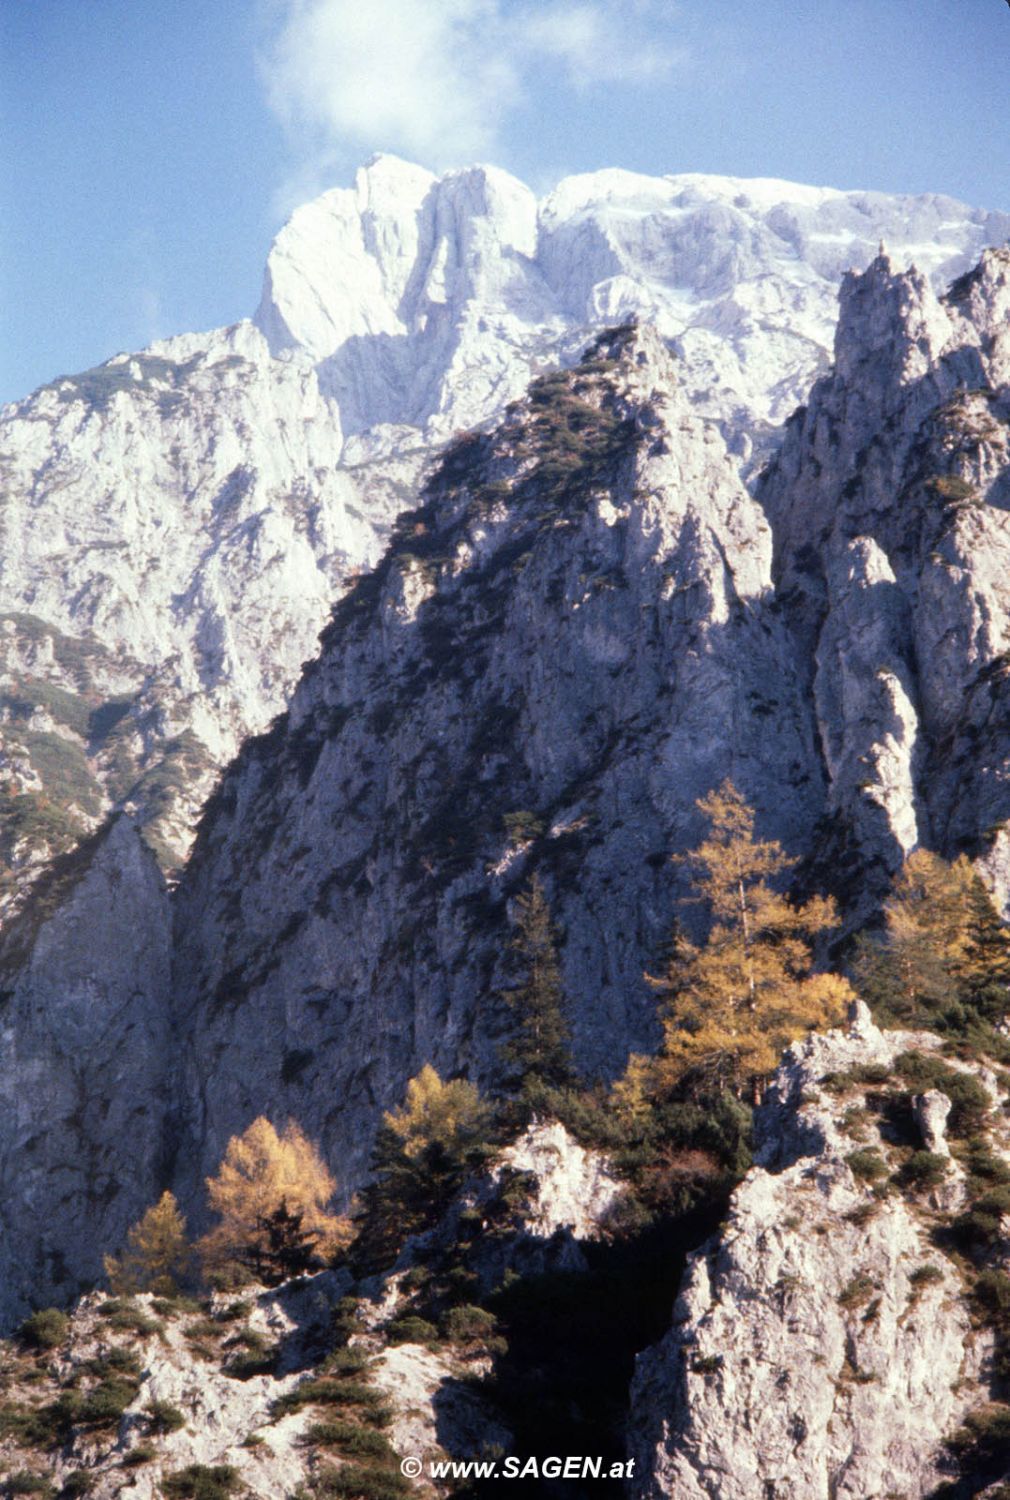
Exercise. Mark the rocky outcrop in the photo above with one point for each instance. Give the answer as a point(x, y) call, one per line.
point(888, 501)
point(822, 1345)
point(85, 1068)
point(566, 645)
point(280, 1388)
point(539, 1205)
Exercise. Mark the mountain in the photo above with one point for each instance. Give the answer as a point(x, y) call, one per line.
point(569, 642)
point(586, 624)
point(176, 524)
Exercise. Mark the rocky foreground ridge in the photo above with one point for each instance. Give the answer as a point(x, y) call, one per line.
point(830, 1340)
point(177, 523)
point(826, 1342)
point(268, 1394)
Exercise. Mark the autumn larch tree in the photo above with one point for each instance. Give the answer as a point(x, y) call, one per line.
point(422, 1154)
point(737, 1000)
point(272, 1194)
point(944, 955)
point(157, 1254)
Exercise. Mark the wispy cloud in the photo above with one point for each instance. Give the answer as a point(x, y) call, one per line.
point(438, 78)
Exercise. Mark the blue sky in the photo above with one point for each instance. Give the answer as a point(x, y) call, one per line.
point(151, 151)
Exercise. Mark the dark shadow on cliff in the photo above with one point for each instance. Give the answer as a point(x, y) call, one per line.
point(562, 1386)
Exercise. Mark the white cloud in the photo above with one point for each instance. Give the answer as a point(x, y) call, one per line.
point(598, 43)
point(437, 78)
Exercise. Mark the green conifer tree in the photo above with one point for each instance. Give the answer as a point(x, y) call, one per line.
point(538, 1053)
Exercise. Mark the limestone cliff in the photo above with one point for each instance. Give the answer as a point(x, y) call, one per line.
point(85, 1068)
point(192, 511)
point(889, 505)
point(824, 1344)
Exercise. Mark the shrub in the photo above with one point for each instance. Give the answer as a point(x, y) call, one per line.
point(862, 1214)
point(952, 488)
point(357, 1482)
point(706, 1364)
point(522, 825)
point(328, 1391)
point(124, 1361)
point(970, 1102)
point(411, 1330)
point(923, 1170)
point(124, 1314)
point(163, 1417)
point(251, 1362)
point(986, 1434)
point(857, 1292)
point(467, 1324)
point(79, 1482)
point(925, 1275)
point(346, 1362)
point(983, 1221)
point(172, 1307)
point(362, 1442)
point(106, 1403)
point(200, 1482)
point(143, 1453)
point(866, 1165)
point(992, 1293)
point(27, 1482)
point(44, 1329)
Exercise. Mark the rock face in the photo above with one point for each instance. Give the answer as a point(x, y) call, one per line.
point(586, 625)
point(575, 1192)
point(821, 1345)
point(193, 511)
point(85, 1070)
point(889, 506)
point(567, 644)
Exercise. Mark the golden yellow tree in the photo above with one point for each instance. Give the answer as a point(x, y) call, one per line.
point(450, 1115)
point(422, 1155)
point(944, 948)
point(736, 1001)
point(157, 1253)
point(272, 1194)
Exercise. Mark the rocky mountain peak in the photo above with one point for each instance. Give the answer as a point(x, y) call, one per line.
point(889, 320)
point(184, 517)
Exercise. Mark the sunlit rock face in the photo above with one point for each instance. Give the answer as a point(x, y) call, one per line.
point(890, 505)
point(821, 1343)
